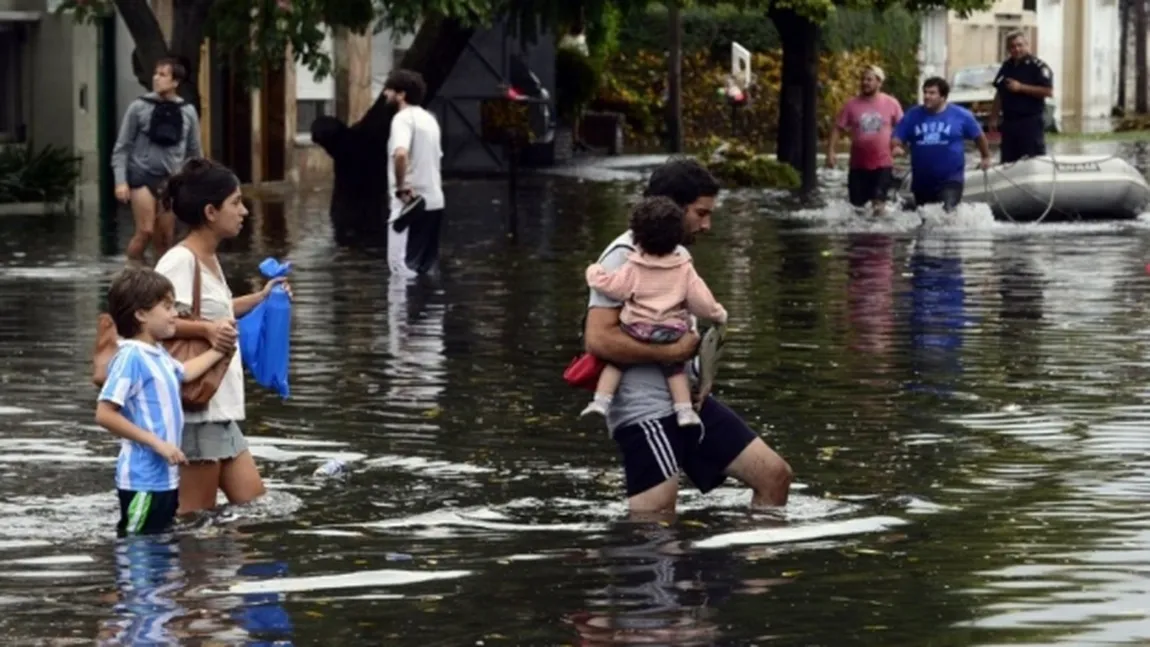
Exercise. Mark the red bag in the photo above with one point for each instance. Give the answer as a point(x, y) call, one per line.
point(583, 371)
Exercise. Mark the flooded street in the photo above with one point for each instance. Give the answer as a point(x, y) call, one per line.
point(964, 404)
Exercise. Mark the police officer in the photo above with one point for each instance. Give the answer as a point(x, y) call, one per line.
point(1024, 82)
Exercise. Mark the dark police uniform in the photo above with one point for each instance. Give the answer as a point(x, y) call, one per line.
point(1023, 134)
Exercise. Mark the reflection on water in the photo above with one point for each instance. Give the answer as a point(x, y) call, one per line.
point(963, 402)
point(157, 600)
point(936, 316)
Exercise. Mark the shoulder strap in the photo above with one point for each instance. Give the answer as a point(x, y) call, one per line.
point(197, 286)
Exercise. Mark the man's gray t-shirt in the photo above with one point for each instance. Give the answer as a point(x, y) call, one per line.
point(642, 394)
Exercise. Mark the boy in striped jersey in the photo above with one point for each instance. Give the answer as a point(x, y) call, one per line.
point(140, 401)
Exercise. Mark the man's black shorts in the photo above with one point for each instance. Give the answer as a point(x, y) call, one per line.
point(656, 450)
point(1022, 137)
point(146, 513)
point(948, 194)
point(865, 185)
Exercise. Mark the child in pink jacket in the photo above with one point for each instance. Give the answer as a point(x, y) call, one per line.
point(660, 290)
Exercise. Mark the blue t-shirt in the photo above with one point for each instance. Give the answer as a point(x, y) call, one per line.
point(935, 141)
point(144, 381)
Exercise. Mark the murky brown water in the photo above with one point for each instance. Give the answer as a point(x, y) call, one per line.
point(964, 405)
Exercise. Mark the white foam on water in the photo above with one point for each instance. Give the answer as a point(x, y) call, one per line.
point(475, 519)
point(54, 273)
point(361, 579)
point(800, 533)
point(48, 574)
point(327, 532)
point(273, 453)
point(14, 411)
point(261, 441)
point(54, 458)
point(87, 518)
point(12, 544)
point(799, 507)
point(530, 557)
point(53, 560)
point(425, 466)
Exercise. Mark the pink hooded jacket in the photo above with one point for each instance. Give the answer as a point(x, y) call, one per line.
point(657, 289)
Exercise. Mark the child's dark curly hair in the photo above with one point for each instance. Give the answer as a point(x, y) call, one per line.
point(657, 224)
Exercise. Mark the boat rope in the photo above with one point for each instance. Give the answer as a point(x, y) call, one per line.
point(1002, 207)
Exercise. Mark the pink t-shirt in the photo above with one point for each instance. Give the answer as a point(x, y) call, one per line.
point(870, 121)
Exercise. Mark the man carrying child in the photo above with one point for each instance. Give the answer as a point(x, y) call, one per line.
point(654, 447)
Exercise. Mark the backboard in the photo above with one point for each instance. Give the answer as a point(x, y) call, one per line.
point(741, 65)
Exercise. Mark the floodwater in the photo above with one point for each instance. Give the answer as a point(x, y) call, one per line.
point(964, 404)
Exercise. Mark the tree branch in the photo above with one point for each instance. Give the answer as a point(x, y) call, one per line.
point(189, 26)
point(146, 33)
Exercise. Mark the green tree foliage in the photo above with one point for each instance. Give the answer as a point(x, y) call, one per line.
point(893, 33)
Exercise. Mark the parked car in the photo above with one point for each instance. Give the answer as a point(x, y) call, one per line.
point(973, 89)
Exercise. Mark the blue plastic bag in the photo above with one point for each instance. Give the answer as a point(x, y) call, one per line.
point(265, 333)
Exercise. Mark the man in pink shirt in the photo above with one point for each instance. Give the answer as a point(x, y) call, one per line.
point(869, 120)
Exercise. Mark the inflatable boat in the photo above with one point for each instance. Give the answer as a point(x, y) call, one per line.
point(1060, 188)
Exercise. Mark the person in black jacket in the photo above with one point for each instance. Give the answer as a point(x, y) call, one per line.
point(1024, 82)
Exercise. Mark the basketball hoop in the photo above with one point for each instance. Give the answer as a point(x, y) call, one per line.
point(738, 82)
point(741, 65)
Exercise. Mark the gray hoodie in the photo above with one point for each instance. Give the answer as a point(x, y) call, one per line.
point(134, 149)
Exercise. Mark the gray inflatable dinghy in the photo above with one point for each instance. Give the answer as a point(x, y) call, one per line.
point(1060, 188)
point(1063, 187)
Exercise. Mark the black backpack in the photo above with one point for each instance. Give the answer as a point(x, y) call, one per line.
point(167, 125)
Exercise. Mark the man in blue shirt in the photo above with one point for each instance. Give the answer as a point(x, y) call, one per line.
point(936, 133)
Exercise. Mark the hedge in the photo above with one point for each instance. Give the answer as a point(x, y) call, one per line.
point(893, 34)
point(633, 84)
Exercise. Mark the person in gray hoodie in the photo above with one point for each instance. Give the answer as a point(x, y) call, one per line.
point(159, 132)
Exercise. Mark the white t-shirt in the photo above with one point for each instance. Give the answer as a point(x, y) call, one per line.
point(417, 130)
point(215, 304)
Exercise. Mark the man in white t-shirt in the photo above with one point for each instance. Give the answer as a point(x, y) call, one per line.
point(413, 176)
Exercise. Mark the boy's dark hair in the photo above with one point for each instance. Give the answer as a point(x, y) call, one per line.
point(657, 225)
point(179, 70)
point(683, 180)
point(136, 289)
point(199, 183)
point(410, 83)
point(938, 83)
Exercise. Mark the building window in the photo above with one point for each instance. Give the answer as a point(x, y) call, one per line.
point(314, 97)
point(12, 95)
point(308, 110)
point(1030, 5)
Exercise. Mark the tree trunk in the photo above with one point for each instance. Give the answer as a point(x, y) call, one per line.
point(798, 98)
point(1140, 80)
point(189, 24)
point(789, 137)
point(675, 80)
point(359, 200)
point(810, 125)
point(1123, 51)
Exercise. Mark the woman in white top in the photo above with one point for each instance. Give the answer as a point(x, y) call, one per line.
point(206, 197)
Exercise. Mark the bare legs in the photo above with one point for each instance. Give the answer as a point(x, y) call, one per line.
point(238, 477)
point(151, 227)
